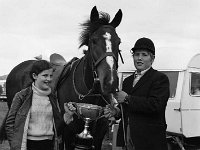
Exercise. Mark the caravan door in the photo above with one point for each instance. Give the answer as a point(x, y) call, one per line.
point(190, 105)
point(173, 113)
point(190, 102)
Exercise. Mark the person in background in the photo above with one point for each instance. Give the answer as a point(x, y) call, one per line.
point(34, 121)
point(144, 98)
point(196, 90)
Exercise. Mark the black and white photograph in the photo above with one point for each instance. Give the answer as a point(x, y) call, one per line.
point(99, 75)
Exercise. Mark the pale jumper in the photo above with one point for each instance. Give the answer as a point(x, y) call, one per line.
point(40, 125)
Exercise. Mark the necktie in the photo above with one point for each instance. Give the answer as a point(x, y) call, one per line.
point(137, 77)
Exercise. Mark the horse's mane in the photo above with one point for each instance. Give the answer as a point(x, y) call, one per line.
point(90, 27)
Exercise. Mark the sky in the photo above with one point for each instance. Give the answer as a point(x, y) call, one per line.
point(29, 28)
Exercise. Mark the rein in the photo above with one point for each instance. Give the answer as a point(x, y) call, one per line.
point(89, 91)
point(95, 77)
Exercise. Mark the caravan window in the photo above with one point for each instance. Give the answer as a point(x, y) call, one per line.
point(195, 84)
point(173, 78)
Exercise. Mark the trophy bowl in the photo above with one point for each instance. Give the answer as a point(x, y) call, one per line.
point(88, 112)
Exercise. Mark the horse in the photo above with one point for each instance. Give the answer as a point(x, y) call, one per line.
point(91, 79)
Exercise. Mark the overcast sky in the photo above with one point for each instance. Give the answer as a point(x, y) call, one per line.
point(29, 28)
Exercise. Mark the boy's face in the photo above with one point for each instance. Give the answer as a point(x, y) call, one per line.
point(43, 79)
point(142, 59)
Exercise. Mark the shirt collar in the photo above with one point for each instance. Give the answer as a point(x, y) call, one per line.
point(142, 72)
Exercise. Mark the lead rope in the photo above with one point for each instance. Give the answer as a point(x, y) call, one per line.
point(125, 143)
point(123, 125)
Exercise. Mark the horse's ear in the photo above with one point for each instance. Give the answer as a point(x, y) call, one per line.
point(94, 14)
point(117, 19)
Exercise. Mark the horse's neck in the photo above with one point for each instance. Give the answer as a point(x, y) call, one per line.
point(88, 72)
point(83, 76)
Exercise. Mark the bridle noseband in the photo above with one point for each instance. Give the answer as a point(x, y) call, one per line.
point(97, 62)
point(103, 57)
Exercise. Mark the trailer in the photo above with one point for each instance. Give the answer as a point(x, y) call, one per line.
point(3, 90)
point(183, 107)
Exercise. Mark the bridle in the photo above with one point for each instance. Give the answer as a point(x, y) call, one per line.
point(102, 57)
point(94, 65)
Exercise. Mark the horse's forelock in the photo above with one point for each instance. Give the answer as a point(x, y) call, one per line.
point(90, 27)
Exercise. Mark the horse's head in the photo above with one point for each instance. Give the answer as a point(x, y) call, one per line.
point(103, 47)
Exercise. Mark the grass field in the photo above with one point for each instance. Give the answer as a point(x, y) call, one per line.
point(3, 111)
point(4, 146)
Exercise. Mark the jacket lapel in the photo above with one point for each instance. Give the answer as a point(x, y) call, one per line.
point(143, 79)
point(26, 101)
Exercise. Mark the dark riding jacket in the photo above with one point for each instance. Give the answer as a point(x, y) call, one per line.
point(18, 117)
point(146, 111)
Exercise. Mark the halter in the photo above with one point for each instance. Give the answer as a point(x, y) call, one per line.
point(94, 70)
point(96, 63)
point(102, 58)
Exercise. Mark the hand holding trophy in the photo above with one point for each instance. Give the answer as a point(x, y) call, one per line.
point(69, 111)
point(111, 111)
point(88, 112)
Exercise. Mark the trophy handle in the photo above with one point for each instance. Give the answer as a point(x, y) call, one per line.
point(76, 111)
point(100, 116)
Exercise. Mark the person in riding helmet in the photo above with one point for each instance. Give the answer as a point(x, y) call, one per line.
point(144, 98)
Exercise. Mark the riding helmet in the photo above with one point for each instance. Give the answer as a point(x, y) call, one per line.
point(144, 43)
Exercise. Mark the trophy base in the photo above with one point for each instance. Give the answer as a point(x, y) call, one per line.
point(84, 143)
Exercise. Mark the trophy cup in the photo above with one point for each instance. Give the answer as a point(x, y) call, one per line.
point(88, 112)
